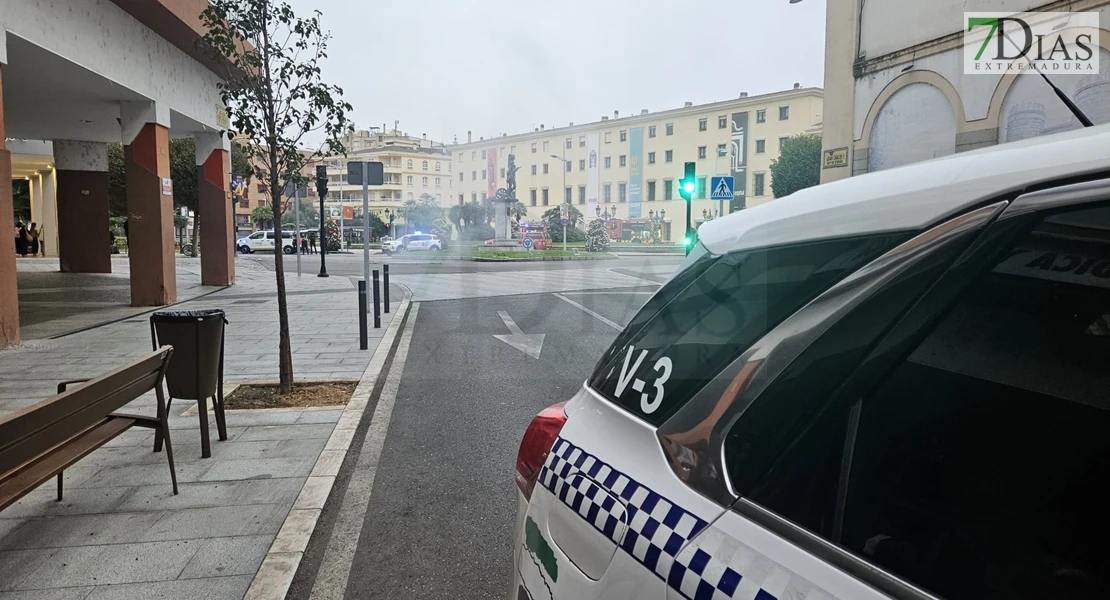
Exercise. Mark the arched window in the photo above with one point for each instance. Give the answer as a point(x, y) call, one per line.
point(410, 163)
point(425, 166)
point(919, 112)
point(437, 166)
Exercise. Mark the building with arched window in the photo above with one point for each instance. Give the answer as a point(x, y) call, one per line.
point(896, 90)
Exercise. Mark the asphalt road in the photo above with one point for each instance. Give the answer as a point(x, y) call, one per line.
point(442, 507)
point(350, 265)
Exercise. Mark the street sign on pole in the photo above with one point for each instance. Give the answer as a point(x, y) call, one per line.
point(297, 224)
point(564, 214)
point(292, 190)
point(722, 188)
point(375, 173)
point(364, 178)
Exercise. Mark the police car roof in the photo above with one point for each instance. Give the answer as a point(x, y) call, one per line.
point(911, 197)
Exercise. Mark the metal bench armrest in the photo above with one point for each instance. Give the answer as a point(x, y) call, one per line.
point(62, 385)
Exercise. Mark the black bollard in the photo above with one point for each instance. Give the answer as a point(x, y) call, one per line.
point(385, 284)
point(377, 302)
point(362, 342)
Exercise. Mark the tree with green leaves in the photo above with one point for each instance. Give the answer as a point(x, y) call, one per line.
point(117, 182)
point(378, 227)
point(275, 97)
point(422, 213)
point(310, 215)
point(798, 165)
point(21, 199)
point(552, 218)
point(263, 216)
point(518, 211)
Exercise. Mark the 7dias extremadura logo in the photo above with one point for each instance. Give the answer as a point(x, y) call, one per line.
point(1051, 42)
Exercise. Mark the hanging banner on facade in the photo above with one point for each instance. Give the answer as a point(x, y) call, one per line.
point(491, 173)
point(739, 161)
point(592, 175)
point(635, 170)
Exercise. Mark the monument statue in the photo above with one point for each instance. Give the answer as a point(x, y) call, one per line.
point(504, 200)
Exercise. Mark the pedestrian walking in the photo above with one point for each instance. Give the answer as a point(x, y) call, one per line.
point(312, 241)
point(21, 239)
point(33, 238)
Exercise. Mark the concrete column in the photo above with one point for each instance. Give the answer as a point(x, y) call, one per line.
point(36, 197)
point(841, 50)
point(48, 238)
point(83, 242)
point(217, 220)
point(9, 296)
point(146, 158)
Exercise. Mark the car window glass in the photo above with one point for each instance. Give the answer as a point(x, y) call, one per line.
point(255, 236)
point(977, 465)
point(717, 315)
point(270, 235)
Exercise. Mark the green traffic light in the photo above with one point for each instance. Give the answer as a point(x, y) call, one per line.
point(688, 187)
point(686, 241)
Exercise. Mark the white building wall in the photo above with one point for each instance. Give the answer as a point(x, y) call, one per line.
point(919, 22)
point(101, 37)
point(975, 92)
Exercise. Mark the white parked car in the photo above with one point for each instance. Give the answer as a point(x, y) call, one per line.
point(264, 241)
point(413, 242)
point(890, 386)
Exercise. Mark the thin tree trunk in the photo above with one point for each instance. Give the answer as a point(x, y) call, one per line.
point(196, 227)
point(285, 350)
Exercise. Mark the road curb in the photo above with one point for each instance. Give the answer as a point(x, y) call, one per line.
point(542, 259)
point(279, 567)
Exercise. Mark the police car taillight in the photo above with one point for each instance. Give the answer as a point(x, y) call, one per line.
point(537, 442)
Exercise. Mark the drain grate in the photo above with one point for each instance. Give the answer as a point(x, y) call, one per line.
point(259, 301)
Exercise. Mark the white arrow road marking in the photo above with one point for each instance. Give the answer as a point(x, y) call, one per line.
point(528, 343)
point(590, 312)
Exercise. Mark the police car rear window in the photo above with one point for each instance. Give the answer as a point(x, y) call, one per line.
point(711, 312)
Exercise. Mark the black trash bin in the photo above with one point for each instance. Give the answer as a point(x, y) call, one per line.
point(196, 371)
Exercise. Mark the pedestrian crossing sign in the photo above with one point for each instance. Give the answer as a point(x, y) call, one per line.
point(722, 188)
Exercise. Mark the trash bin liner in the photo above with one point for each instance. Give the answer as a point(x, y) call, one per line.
point(197, 337)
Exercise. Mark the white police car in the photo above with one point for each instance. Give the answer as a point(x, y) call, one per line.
point(413, 242)
point(891, 386)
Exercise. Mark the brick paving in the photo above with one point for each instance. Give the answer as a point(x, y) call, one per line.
point(120, 533)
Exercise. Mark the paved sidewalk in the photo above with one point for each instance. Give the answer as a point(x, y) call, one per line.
point(120, 533)
point(53, 303)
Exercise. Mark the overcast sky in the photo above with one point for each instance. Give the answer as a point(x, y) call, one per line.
point(443, 67)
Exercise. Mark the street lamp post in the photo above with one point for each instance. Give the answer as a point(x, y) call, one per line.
point(565, 163)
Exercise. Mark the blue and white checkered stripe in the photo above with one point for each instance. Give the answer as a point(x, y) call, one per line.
point(657, 528)
point(714, 567)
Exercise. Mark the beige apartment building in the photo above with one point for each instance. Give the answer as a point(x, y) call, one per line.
point(630, 165)
point(413, 166)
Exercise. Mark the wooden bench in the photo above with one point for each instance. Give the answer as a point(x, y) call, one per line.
point(41, 441)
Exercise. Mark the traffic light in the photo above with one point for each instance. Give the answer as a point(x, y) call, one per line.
point(688, 186)
point(321, 181)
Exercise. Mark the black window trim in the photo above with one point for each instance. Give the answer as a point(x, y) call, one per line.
point(699, 428)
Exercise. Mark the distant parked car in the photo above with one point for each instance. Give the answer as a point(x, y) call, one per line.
point(413, 242)
point(264, 241)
